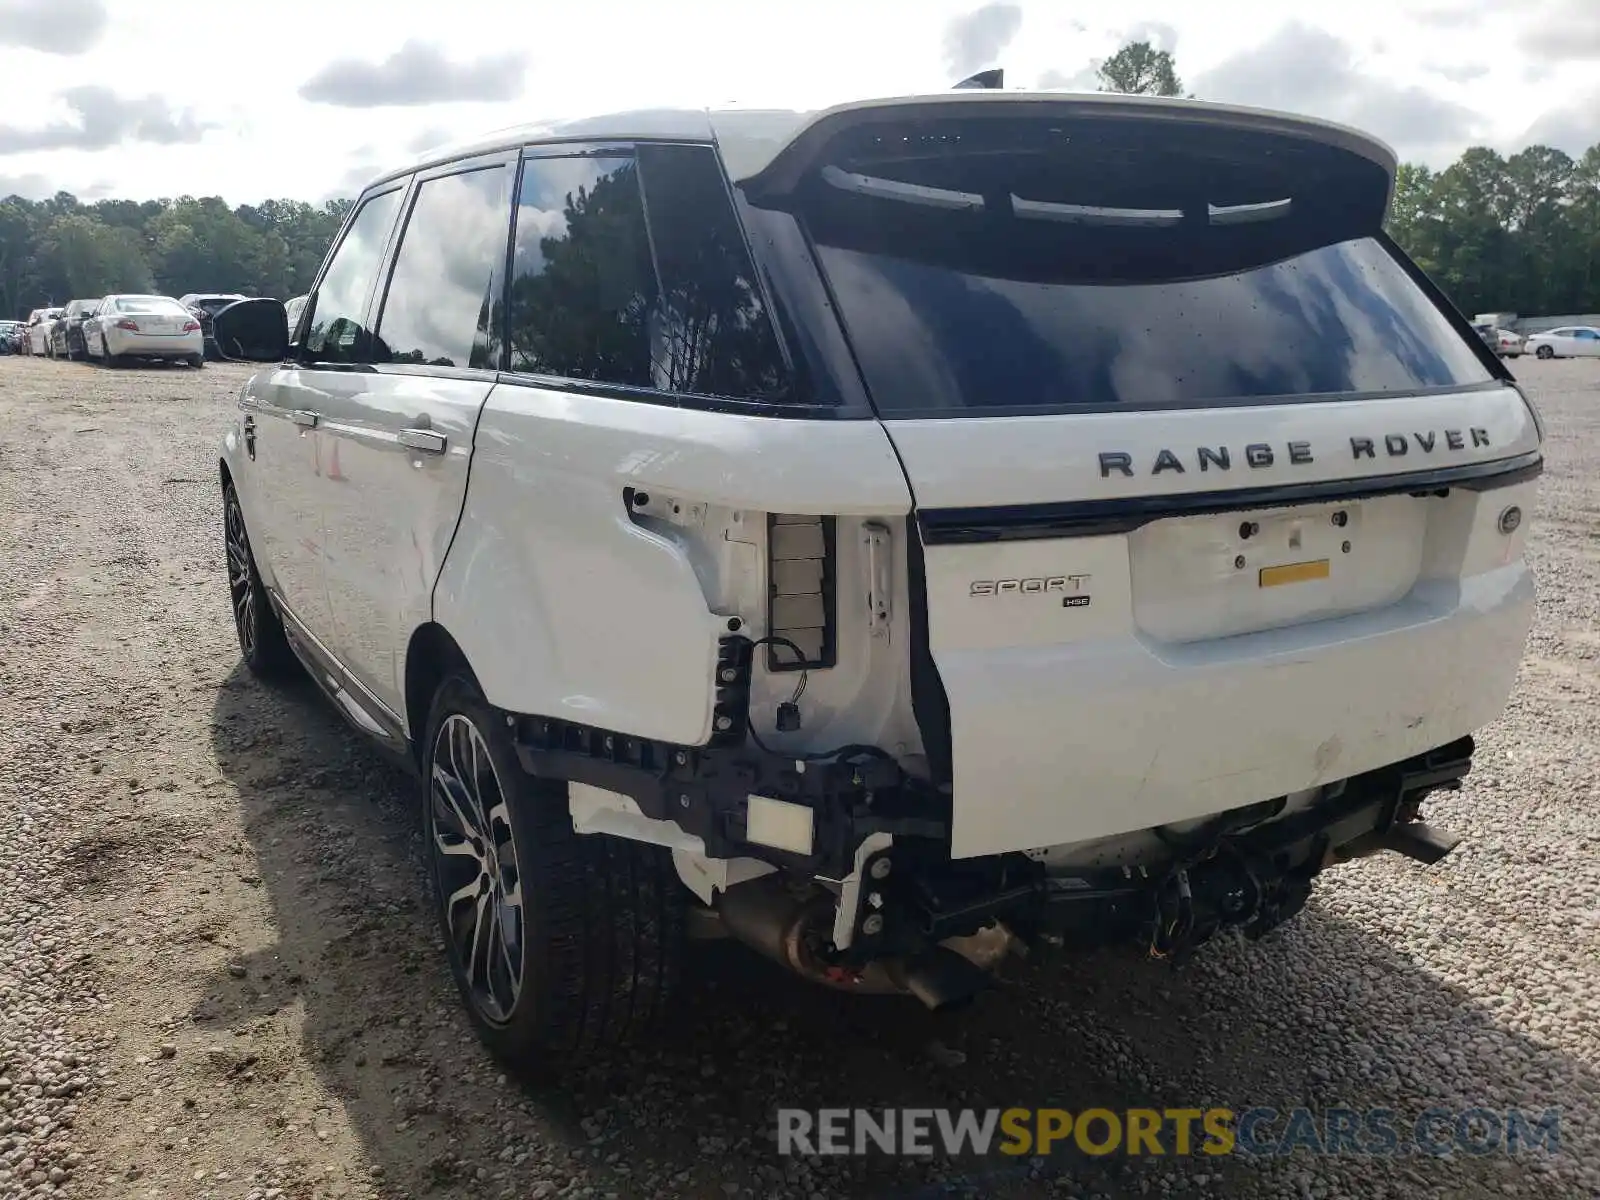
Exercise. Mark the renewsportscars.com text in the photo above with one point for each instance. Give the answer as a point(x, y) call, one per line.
point(1378, 1132)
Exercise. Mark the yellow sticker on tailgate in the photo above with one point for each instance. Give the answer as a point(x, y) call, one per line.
point(1298, 572)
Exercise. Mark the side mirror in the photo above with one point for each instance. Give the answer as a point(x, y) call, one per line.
point(252, 331)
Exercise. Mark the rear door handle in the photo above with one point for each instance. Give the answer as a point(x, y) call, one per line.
point(304, 418)
point(423, 439)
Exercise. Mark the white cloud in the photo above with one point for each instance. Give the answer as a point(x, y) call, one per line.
point(1301, 68)
point(1572, 127)
point(52, 26)
point(416, 74)
point(1432, 88)
point(974, 40)
point(1563, 30)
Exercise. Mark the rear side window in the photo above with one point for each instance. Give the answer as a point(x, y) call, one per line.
point(582, 285)
point(633, 270)
point(994, 270)
point(335, 333)
point(712, 334)
point(440, 301)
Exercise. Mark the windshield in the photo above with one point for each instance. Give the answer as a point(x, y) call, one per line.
point(161, 305)
point(977, 276)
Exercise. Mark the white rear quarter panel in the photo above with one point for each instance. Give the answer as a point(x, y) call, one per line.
point(568, 608)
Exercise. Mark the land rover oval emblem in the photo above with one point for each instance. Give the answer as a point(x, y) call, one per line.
point(1510, 520)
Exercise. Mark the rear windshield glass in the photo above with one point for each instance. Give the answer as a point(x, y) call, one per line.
point(1060, 272)
point(148, 304)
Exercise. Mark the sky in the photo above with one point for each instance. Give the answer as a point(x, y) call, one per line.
point(310, 99)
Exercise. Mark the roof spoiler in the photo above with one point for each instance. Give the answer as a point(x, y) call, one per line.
point(975, 98)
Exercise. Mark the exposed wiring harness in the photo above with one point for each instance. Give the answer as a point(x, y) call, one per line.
point(1169, 937)
point(850, 750)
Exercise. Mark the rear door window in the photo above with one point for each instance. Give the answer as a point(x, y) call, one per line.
point(994, 270)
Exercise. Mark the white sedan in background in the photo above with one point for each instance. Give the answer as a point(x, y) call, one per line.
point(39, 322)
point(1570, 341)
point(127, 327)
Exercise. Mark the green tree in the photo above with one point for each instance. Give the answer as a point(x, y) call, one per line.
point(1140, 69)
point(17, 275)
point(91, 258)
point(1519, 233)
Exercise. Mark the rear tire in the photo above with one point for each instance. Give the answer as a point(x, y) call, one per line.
point(262, 642)
point(1545, 352)
point(197, 361)
point(562, 945)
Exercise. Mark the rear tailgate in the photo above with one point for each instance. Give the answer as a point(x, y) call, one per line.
point(1210, 483)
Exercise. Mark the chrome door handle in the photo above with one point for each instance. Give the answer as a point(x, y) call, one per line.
point(424, 440)
point(304, 419)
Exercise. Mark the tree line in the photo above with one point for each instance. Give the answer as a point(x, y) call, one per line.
point(60, 249)
point(1518, 233)
point(1497, 234)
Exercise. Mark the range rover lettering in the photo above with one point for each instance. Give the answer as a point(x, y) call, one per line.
point(694, 500)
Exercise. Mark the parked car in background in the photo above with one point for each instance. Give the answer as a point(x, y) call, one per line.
point(66, 335)
point(11, 334)
point(1503, 342)
point(39, 322)
point(206, 305)
point(1570, 341)
point(128, 327)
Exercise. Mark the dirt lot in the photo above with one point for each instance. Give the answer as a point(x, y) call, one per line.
point(216, 978)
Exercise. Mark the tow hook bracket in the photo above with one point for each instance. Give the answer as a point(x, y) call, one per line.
point(1419, 840)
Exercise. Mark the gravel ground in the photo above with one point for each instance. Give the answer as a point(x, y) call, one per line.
point(217, 980)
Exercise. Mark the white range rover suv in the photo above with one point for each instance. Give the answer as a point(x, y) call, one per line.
point(880, 533)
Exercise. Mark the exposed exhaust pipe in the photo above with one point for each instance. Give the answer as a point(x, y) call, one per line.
point(768, 918)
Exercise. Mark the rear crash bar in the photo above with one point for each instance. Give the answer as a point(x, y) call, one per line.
point(924, 919)
point(803, 816)
point(1241, 870)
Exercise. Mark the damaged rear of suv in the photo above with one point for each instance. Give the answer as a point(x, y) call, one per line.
point(890, 532)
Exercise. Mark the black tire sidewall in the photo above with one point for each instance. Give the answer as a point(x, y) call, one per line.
point(520, 1040)
point(271, 657)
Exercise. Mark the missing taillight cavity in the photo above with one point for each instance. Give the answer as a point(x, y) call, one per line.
point(800, 591)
